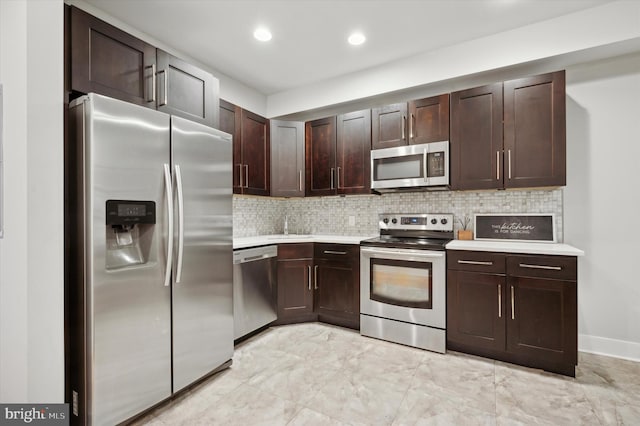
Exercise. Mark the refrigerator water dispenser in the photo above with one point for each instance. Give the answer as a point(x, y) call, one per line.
point(129, 230)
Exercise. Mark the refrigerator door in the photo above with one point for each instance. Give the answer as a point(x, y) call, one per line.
point(127, 306)
point(203, 257)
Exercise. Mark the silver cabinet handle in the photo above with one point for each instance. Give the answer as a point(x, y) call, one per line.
point(549, 268)
point(499, 300)
point(338, 177)
point(246, 175)
point(475, 262)
point(240, 175)
point(334, 252)
point(153, 84)
point(300, 180)
point(497, 165)
point(180, 223)
point(315, 277)
point(309, 277)
point(404, 125)
point(509, 164)
point(166, 85)
point(332, 172)
point(513, 304)
point(168, 183)
point(412, 125)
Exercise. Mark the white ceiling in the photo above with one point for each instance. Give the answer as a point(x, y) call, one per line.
point(309, 36)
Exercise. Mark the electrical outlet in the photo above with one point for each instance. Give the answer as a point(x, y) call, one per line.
point(352, 220)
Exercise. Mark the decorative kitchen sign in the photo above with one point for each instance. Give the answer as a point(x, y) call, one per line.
point(516, 227)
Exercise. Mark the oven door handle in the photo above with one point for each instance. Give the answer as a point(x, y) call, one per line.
point(420, 253)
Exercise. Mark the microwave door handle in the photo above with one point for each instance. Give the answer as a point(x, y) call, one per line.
point(424, 162)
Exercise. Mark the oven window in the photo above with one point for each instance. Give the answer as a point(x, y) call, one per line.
point(405, 167)
point(402, 283)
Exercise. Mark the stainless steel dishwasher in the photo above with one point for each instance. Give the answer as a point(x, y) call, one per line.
point(254, 289)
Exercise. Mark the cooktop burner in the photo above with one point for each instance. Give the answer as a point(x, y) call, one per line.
point(413, 231)
point(412, 243)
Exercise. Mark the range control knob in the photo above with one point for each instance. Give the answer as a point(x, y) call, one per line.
point(443, 221)
point(434, 221)
point(385, 220)
point(394, 220)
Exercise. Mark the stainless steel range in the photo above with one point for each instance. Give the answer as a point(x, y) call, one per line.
point(403, 280)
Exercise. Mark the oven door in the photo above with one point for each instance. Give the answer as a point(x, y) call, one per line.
point(403, 284)
point(410, 166)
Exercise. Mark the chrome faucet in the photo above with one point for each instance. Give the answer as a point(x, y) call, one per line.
point(286, 225)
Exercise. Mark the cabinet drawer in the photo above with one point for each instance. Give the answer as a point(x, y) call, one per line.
point(476, 261)
point(554, 267)
point(295, 251)
point(336, 251)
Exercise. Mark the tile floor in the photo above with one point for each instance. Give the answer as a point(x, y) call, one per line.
point(317, 374)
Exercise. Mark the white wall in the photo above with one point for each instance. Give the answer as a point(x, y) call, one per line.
point(602, 201)
point(31, 253)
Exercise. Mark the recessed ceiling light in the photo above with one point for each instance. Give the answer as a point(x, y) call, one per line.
point(356, 39)
point(262, 34)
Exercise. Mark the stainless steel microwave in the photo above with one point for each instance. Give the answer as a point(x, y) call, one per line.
point(420, 167)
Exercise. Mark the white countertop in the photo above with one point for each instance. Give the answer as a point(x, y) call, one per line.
point(263, 240)
point(516, 247)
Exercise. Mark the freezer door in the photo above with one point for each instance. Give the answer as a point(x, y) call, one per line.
point(128, 311)
point(203, 260)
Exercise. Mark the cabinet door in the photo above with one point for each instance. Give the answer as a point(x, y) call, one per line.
point(230, 123)
point(476, 309)
point(320, 153)
point(534, 131)
point(542, 320)
point(337, 292)
point(476, 138)
point(429, 120)
point(186, 90)
point(353, 147)
point(287, 158)
point(389, 126)
point(256, 154)
point(110, 62)
point(295, 291)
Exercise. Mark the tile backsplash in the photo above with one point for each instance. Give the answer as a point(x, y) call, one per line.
point(331, 215)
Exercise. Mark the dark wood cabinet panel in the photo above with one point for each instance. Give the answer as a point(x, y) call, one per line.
point(353, 147)
point(109, 61)
point(186, 90)
point(256, 153)
point(320, 152)
point(429, 119)
point(295, 291)
point(475, 314)
point(542, 321)
point(287, 158)
point(476, 138)
point(534, 131)
point(230, 123)
point(527, 315)
point(389, 126)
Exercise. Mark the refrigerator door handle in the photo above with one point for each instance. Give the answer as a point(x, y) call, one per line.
point(168, 183)
point(180, 223)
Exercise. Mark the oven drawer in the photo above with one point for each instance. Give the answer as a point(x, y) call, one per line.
point(553, 267)
point(345, 252)
point(476, 261)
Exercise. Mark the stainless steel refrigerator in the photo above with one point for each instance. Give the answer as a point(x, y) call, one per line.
point(149, 256)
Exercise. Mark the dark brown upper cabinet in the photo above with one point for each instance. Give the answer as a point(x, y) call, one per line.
point(353, 153)
point(255, 161)
point(320, 154)
point(287, 158)
point(535, 131)
point(476, 138)
point(186, 90)
point(230, 123)
point(419, 121)
point(337, 153)
point(509, 135)
point(109, 61)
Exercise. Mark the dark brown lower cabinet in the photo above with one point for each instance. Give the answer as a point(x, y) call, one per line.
point(319, 285)
point(515, 308)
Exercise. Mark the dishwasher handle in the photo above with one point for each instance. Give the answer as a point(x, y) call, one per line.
point(254, 254)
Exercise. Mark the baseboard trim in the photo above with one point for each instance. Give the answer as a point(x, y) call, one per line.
point(610, 347)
